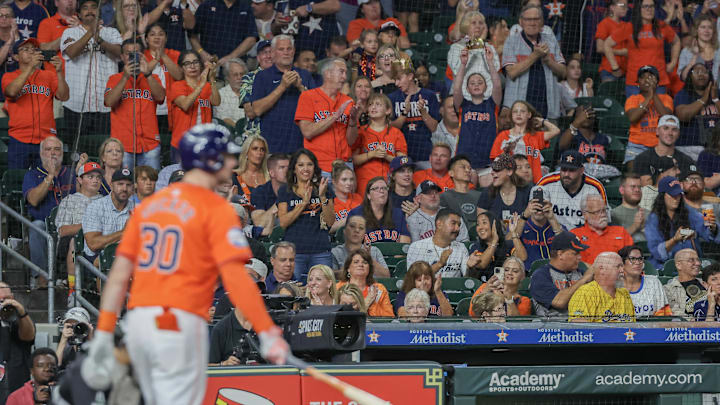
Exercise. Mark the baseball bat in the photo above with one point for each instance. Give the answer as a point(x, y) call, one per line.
point(350, 391)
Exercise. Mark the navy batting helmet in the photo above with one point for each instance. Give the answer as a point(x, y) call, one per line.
point(203, 145)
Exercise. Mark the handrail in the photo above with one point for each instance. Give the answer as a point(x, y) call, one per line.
point(50, 273)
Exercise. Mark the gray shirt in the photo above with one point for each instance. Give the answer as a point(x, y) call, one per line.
point(625, 217)
point(340, 254)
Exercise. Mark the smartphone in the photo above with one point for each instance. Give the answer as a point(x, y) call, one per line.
point(499, 273)
point(538, 195)
point(48, 54)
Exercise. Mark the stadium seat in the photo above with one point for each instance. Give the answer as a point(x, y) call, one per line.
point(463, 307)
point(400, 269)
point(614, 89)
point(107, 256)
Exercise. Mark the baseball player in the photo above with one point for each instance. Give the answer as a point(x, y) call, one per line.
point(174, 247)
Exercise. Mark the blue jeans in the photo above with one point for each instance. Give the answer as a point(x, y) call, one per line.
point(22, 155)
point(38, 247)
point(150, 158)
point(633, 90)
point(303, 262)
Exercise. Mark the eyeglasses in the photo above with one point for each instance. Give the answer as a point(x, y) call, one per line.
point(196, 62)
point(380, 189)
point(636, 259)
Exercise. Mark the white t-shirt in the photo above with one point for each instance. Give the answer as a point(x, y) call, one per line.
point(88, 73)
point(425, 250)
point(650, 298)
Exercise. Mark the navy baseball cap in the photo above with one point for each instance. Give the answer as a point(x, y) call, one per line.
point(123, 174)
point(571, 160)
point(262, 45)
point(399, 162)
point(427, 186)
point(567, 240)
point(670, 185)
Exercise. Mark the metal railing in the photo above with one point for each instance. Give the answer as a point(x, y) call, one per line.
point(50, 273)
point(85, 263)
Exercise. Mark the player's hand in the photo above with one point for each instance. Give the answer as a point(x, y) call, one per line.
point(289, 78)
point(322, 188)
point(231, 361)
point(97, 368)
point(273, 347)
point(445, 255)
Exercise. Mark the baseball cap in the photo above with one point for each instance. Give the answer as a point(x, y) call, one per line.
point(264, 43)
point(18, 44)
point(670, 185)
point(389, 25)
point(89, 167)
point(566, 240)
point(648, 68)
point(571, 159)
point(176, 176)
point(123, 174)
point(258, 267)
point(427, 186)
point(78, 314)
point(669, 120)
point(503, 162)
point(399, 162)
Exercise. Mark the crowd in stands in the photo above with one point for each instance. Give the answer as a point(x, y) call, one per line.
point(503, 167)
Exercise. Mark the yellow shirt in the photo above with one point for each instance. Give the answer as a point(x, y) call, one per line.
point(591, 303)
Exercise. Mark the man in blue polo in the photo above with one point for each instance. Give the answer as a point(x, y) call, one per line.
point(43, 188)
point(224, 29)
point(275, 95)
point(540, 228)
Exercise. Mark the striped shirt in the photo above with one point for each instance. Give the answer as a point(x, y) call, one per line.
point(102, 216)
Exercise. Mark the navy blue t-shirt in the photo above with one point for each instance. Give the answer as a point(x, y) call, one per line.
point(417, 134)
point(696, 131)
point(28, 19)
point(305, 232)
point(477, 131)
point(263, 196)
point(278, 123)
point(63, 185)
point(594, 151)
point(381, 234)
point(238, 22)
point(315, 31)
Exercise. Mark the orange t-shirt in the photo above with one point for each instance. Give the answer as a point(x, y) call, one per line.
point(368, 140)
point(445, 182)
point(178, 240)
point(342, 208)
point(182, 120)
point(534, 143)
point(650, 50)
point(644, 131)
point(147, 135)
point(314, 106)
point(605, 28)
point(357, 26)
point(612, 239)
point(31, 112)
point(524, 306)
point(50, 29)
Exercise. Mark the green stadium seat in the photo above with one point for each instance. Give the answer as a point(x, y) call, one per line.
point(463, 307)
point(614, 89)
point(107, 256)
point(400, 269)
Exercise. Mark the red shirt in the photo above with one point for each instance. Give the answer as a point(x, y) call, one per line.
point(22, 395)
point(649, 50)
point(31, 112)
point(314, 106)
point(147, 135)
point(368, 140)
point(181, 120)
point(612, 239)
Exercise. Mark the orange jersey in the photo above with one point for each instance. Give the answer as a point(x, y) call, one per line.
point(605, 28)
point(147, 135)
point(178, 240)
point(523, 303)
point(644, 131)
point(49, 30)
point(445, 182)
point(343, 207)
point(532, 145)
point(31, 112)
point(357, 26)
point(649, 50)
point(391, 138)
point(612, 239)
point(314, 106)
point(182, 120)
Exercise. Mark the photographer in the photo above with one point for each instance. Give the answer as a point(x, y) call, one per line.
point(42, 379)
point(17, 334)
point(76, 330)
point(229, 342)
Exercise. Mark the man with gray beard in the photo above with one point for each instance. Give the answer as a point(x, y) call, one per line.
point(597, 233)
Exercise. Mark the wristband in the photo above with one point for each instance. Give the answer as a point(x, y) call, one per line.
point(107, 321)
